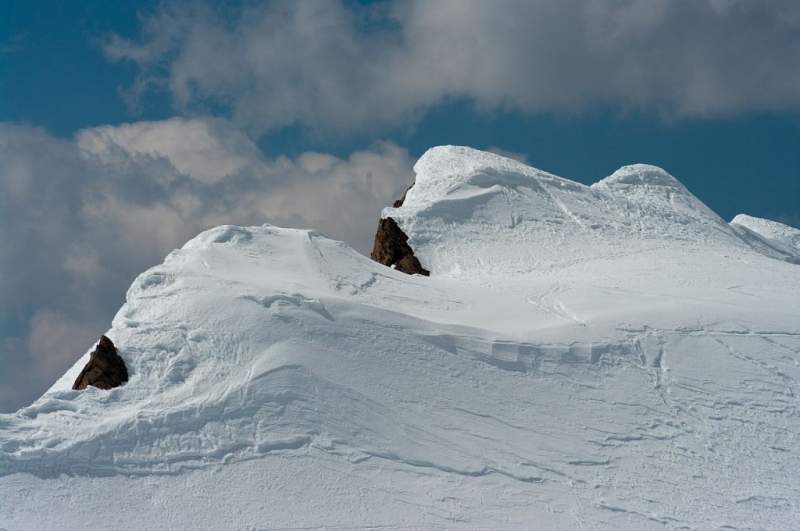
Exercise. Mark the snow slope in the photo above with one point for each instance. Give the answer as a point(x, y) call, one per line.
point(604, 357)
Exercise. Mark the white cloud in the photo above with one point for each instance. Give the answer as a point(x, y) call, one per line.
point(206, 150)
point(337, 69)
point(80, 219)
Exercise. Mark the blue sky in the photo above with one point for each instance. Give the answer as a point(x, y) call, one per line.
point(127, 127)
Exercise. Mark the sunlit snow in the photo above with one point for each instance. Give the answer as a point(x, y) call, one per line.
point(612, 356)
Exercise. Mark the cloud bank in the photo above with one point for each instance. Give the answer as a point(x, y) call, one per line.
point(79, 219)
point(336, 67)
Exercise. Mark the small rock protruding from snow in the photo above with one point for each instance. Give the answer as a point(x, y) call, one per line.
point(391, 249)
point(105, 369)
point(399, 202)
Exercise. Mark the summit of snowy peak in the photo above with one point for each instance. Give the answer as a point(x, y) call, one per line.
point(445, 172)
point(473, 211)
point(235, 235)
point(658, 194)
point(462, 163)
point(663, 203)
point(640, 174)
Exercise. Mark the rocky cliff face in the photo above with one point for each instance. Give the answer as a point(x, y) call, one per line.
point(105, 369)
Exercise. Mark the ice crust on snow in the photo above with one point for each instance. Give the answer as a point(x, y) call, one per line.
point(611, 356)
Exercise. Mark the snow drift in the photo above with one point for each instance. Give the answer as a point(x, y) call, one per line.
point(604, 357)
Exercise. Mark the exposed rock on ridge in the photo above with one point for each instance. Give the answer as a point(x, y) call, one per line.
point(399, 202)
point(391, 249)
point(105, 369)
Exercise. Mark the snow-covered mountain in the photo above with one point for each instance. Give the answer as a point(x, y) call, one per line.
point(612, 356)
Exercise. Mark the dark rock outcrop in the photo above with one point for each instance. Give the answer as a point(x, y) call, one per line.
point(391, 249)
point(105, 369)
point(399, 202)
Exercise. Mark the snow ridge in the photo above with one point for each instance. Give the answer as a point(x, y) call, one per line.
point(769, 237)
point(604, 357)
point(476, 213)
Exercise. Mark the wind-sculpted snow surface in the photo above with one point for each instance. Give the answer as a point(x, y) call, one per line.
point(605, 357)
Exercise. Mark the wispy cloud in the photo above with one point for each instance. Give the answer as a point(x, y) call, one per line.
point(337, 68)
point(79, 219)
